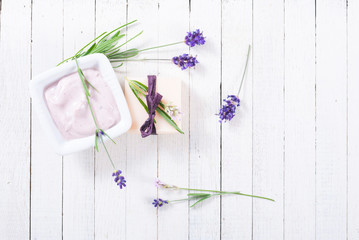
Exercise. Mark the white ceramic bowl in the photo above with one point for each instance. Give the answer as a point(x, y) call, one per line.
point(40, 82)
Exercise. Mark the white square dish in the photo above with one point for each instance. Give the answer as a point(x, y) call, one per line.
point(97, 61)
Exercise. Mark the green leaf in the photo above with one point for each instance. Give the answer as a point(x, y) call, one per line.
point(168, 119)
point(115, 50)
point(104, 45)
point(84, 80)
point(202, 199)
point(107, 44)
point(120, 65)
point(116, 34)
point(134, 90)
point(90, 49)
point(82, 77)
point(116, 29)
point(108, 136)
point(124, 55)
point(200, 195)
point(78, 52)
point(135, 83)
point(141, 85)
point(91, 85)
point(138, 98)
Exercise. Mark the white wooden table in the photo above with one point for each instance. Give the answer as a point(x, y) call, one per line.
point(295, 138)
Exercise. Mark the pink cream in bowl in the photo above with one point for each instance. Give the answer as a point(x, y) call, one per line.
point(69, 109)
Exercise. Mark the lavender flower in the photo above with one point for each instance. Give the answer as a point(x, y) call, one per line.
point(194, 38)
point(173, 111)
point(228, 110)
point(160, 184)
point(185, 61)
point(199, 195)
point(159, 202)
point(119, 179)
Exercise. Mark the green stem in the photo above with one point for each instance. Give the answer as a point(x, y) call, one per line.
point(223, 192)
point(108, 155)
point(166, 45)
point(218, 194)
point(245, 70)
point(255, 196)
point(87, 98)
point(137, 88)
point(179, 200)
point(98, 132)
point(144, 59)
point(64, 61)
point(185, 199)
point(92, 113)
point(200, 190)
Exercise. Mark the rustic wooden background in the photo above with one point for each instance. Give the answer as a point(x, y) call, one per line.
point(295, 138)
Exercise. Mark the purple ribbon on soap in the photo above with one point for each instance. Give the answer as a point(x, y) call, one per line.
point(153, 99)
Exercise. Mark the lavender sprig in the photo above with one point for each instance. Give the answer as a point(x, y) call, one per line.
point(199, 195)
point(119, 179)
point(195, 38)
point(99, 133)
point(113, 53)
point(159, 202)
point(107, 43)
point(228, 110)
point(191, 39)
point(174, 111)
point(185, 61)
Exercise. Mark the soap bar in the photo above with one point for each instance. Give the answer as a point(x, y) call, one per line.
point(170, 89)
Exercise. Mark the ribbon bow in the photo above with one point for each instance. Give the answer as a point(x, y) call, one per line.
point(153, 99)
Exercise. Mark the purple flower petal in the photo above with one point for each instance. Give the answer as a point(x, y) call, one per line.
point(185, 61)
point(228, 110)
point(194, 38)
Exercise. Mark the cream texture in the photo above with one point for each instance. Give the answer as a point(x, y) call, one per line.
point(69, 109)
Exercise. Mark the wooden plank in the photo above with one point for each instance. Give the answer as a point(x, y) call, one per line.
point(353, 119)
point(268, 118)
point(109, 198)
point(331, 124)
point(300, 120)
point(141, 218)
point(204, 219)
point(46, 166)
point(299, 201)
point(15, 65)
point(237, 135)
point(78, 169)
point(173, 150)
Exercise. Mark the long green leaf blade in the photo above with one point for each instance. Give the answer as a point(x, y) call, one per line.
point(198, 195)
point(138, 98)
point(168, 119)
point(141, 85)
point(202, 199)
